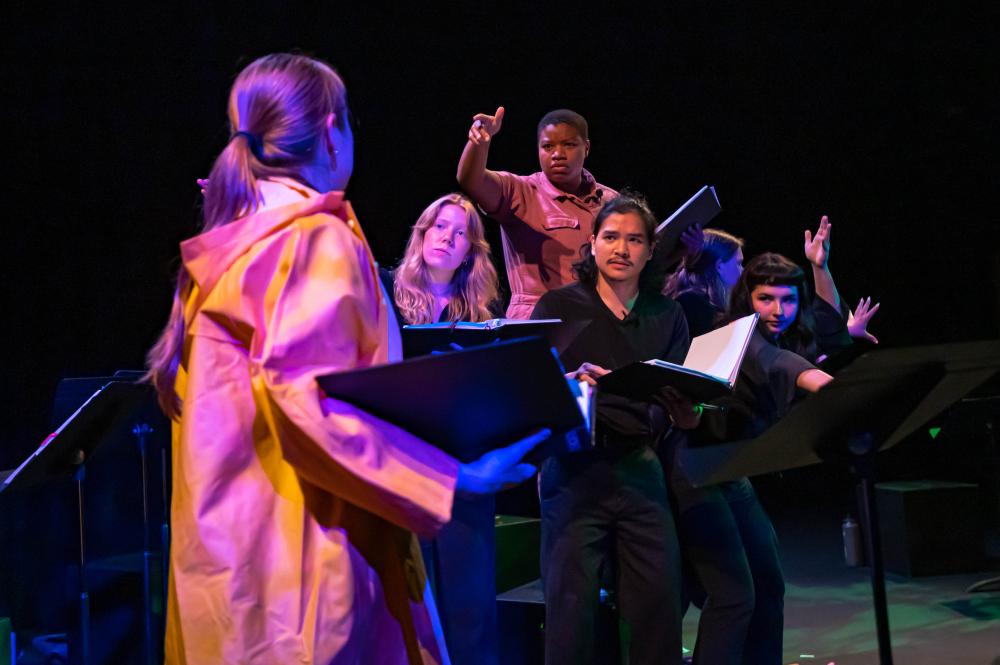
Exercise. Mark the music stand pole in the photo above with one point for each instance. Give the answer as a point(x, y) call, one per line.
point(141, 431)
point(863, 449)
point(66, 451)
point(874, 404)
point(164, 535)
point(84, 593)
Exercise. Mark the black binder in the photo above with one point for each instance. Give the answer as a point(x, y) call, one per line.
point(421, 340)
point(700, 209)
point(472, 401)
point(720, 351)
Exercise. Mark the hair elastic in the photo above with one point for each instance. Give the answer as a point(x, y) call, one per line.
point(253, 142)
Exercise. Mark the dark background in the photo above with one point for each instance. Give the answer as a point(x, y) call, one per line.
point(881, 118)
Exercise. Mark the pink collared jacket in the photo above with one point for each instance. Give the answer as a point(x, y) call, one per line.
point(542, 229)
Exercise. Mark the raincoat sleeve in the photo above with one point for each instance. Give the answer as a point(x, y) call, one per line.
point(321, 312)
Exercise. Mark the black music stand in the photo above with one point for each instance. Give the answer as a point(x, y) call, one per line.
point(991, 584)
point(65, 452)
point(873, 404)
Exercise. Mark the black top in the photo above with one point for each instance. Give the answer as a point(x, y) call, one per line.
point(765, 389)
point(702, 316)
point(655, 328)
point(830, 335)
point(388, 278)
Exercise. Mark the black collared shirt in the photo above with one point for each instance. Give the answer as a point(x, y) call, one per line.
point(655, 328)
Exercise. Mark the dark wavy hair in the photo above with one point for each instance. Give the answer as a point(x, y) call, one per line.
point(770, 269)
point(652, 276)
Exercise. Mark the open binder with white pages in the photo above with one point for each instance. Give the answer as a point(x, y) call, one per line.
point(709, 370)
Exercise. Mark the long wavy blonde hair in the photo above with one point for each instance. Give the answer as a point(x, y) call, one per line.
point(277, 109)
point(474, 284)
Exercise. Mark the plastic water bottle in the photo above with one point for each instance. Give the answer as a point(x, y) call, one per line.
point(854, 555)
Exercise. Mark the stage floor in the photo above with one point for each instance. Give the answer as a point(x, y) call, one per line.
point(829, 616)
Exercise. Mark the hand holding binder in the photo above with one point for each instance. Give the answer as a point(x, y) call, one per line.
point(500, 468)
point(699, 211)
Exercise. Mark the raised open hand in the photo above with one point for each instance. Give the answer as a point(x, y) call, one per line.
point(484, 127)
point(857, 321)
point(818, 247)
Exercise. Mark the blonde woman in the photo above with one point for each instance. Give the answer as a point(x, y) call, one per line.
point(446, 274)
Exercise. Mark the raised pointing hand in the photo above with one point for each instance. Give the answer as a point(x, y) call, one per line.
point(484, 127)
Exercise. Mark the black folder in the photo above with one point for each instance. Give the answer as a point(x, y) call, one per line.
point(420, 340)
point(700, 209)
point(472, 401)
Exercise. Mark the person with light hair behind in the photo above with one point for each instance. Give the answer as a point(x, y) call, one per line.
point(293, 514)
point(702, 283)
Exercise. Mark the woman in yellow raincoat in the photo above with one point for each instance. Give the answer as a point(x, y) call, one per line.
point(293, 514)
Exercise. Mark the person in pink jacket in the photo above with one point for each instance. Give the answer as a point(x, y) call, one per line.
point(293, 515)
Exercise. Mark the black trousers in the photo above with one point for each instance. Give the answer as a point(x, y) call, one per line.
point(729, 545)
point(461, 565)
point(596, 504)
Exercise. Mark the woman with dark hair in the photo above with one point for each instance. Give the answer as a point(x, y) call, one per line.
point(292, 514)
point(725, 535)
point(702, 284)
point(612, 501)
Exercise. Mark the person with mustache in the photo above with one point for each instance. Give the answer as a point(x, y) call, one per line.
point(544, 217)
point(610, 503)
